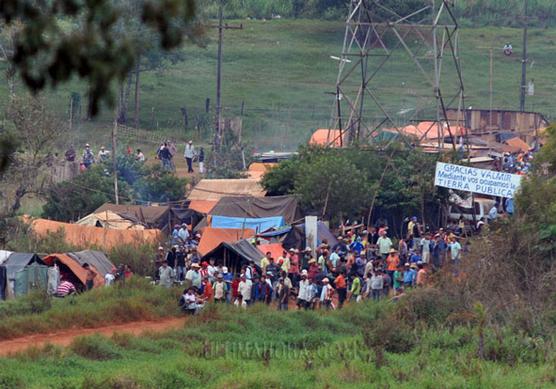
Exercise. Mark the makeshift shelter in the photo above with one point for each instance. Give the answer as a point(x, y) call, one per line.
point(235, 255)
point(15, 263)
point(518, 144)
point(202, 206)
point(213, 237)
point(258, 169)
point(258, 224)
point(4, 255)
point(151, 216)
point(109, 219)
point(214, 190)
point(104, 238)
point(327, 138)
point(296, 237)
point(257, 207)
point(71, 266)
point(32, 277)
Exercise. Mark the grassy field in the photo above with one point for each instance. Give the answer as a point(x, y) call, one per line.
point(282, 71)
point(226, 347)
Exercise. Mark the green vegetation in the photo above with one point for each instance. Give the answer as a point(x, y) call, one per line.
point(339, 183)
point(71, 200)
point(409, 344)
point(282, 71)
point(135, 300)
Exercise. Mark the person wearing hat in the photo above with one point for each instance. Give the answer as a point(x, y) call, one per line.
point(326, 294)
point(313, 269)
point(409, 275)
point(189, 154)
point(219, 289)
point(166, 275)
point(384, 244)
point(103, 154)
point(88, 157)
point(392, 262)
point(304, 296)
point(293, 273)
point(193, 277)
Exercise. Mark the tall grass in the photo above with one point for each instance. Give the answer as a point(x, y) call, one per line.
point(264, 348)
point(135, 300)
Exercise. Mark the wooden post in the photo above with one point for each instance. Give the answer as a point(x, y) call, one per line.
point(114, 161)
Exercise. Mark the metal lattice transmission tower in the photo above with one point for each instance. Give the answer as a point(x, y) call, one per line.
point(375, 42)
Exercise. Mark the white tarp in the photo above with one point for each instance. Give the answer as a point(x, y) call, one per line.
point(4, 255)
point(474, 180)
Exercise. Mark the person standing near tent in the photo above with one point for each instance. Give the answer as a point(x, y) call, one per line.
point(90, 278)
point(189, 154)
point(283, 294)
point(201, 160)
point(65, 288)
point(244, 290)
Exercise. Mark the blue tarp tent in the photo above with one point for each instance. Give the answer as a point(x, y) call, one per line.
point(258, 224)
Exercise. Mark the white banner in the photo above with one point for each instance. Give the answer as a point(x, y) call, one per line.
point(474, 180)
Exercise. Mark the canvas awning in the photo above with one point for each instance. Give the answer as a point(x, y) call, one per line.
point(518, 144)
point(152, 216)
point(276, 249)
point(258, 207)
point(213, 237)
point(74, 263)
point(202, 206)
point(96, 258)
point(326, 137)
point(235, 255)
point(109, 219)
point(214, 190)
point(88, 237)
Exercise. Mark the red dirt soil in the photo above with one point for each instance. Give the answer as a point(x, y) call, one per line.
point(64, 338)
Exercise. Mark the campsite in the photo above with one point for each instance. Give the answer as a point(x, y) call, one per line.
point(277, 194)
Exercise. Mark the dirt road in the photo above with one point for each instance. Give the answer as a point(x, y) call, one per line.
point(64, 338)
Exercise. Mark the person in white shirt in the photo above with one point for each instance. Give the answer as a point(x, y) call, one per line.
point(426, 248)
point(220, 289)
point(244, 290)
point(189, 154)
point(305, 295)
point(103, 154)
point(140, 157)
point(166, 274)
point(109, 278)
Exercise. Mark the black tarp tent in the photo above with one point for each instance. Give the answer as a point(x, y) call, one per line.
point(235, 255)
point(296, 237)
point(257, 207)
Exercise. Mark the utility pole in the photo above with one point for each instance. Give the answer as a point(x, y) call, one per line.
point(491, 74)
point(524, 60)
point(221, 27)
point(114, 160)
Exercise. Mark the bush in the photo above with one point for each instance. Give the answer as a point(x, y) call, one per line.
point(95, 347)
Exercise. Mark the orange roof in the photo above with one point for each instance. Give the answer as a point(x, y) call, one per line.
point(518, 144)
point(202, 206)
point(429, 130)
point(275, 249)
point(258, 169)
point(215, 189)
point(326, 138)
point(213, 237)
point(75, 267)
point(89, 237)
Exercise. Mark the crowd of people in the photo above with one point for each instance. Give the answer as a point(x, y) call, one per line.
point(364, 264)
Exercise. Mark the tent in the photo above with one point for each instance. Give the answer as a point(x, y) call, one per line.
point(213, 237)
point(33, 276)
point(257, 224)
point(105, 238)
point(257, 207)
point(326, 138)
point(202, 206)
point(258, 169)
point(109, 219)
point(214, 190)
point(151, 216)
point(15, 263)
point(518, 144)
point(235, 255)
point(71, 265)
point(296, 237)
point(4, 255)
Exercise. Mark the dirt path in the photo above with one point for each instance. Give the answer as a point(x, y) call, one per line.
point(64, 338)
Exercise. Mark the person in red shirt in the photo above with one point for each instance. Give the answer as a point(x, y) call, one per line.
point(392, 262)
point(235, 285)
point(313, 269)
point(341, 288)
point(208, 291)
point(293, 274)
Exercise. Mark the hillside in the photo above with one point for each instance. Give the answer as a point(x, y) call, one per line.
point(282, 71)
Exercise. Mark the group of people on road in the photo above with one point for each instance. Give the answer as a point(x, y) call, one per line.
point(363, 264)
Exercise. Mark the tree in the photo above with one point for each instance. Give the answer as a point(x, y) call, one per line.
point(35, 133)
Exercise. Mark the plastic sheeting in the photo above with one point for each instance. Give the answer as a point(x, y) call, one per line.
point(259, 224)
point(33, 277)
point(257, 207)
